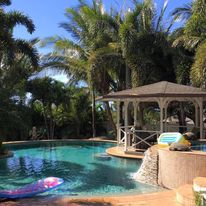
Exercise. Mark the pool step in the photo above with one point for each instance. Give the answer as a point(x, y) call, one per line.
point(185, 195)
point(135, 151)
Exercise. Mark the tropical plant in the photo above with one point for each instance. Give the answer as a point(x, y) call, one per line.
point(145, 45)
point(182, 13)
point(193, 38)
point(47, 97)
point(91, 56)
point(9, 46)
point(66, 110)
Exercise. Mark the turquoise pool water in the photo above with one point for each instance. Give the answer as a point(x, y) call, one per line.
point(75, 162)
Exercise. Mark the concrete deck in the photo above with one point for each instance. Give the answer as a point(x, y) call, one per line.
point(118, 152)
point(166, 198)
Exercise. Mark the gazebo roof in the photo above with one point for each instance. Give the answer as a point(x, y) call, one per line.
point(160, 89)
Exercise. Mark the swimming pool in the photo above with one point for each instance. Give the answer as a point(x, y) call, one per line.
point(75, 162)
point(199, 147)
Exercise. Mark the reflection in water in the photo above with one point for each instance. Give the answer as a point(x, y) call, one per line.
point(82, 173)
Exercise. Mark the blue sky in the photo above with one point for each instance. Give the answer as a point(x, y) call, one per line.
point(47, 14)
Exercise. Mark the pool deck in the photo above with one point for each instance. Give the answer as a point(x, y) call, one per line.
point(166, 198)
point(119, 152)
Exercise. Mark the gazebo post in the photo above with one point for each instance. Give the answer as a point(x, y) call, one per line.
point(126, 103)
point(118, 123)
point(196, 115)
point(161, 106)
point(201, 118)
point(135, 105)
point(166, 106)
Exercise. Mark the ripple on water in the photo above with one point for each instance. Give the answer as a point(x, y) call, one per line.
point(83, 174)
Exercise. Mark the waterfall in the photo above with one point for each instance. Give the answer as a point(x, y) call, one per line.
point(148, 171)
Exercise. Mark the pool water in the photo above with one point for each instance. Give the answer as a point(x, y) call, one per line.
point(199, 146)
point(75, 162)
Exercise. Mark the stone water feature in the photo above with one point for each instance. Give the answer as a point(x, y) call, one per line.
point(148, 172)
point(162, 166)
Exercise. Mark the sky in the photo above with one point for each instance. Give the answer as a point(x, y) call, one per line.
point(47, 14)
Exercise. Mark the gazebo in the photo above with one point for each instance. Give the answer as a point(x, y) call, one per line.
point(162, 93)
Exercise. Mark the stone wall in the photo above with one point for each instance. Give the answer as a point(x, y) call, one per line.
point(179, 168)
point(171, 169)
point(148, 172)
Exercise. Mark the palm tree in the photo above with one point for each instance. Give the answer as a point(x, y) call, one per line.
point(9, 46)
point(192, 37)
point(92, 56)
point(145, 45)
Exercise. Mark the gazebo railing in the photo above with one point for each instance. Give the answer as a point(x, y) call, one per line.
point(176, 128)
point(153, 135)
point(132, 139)
point(122, 134)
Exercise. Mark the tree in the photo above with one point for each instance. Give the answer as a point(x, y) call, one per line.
point(92, 56)
point(145, 45)
point(9, 46)
point(193, 39)
point(47, 97)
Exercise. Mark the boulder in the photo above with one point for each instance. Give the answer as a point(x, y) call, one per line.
point(190, 136)
point(179, 147)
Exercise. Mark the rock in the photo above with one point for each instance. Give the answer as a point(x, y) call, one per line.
point(190, 136)
point(179, 147)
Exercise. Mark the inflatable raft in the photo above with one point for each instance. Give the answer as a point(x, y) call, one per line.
point(167, 138)
point(40, 186)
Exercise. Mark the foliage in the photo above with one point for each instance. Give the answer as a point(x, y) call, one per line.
point(92, 56)
point(18, 59)
point(198, 72)
point(152, 117)
point(47, 95)
point(145, 46)
point(107, 51)
point(196, 25)
point(198, 199)
point(9, 46)
point(193, 38)
point(182, 13)
point(66, 109)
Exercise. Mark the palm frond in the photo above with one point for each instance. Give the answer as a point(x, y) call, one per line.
point(17, 18)
point(189, 42)
point(182, 13)
point(5, 2)
point(26, 48)
point(162, 13)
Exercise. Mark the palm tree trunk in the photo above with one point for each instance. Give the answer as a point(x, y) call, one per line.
point(128, 77)
point(141, 115)
point(45, 121)
point(93, 113)
point(110, 118)
point(181, 118)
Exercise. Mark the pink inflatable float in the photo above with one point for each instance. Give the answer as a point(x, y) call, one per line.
point(40, 186)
